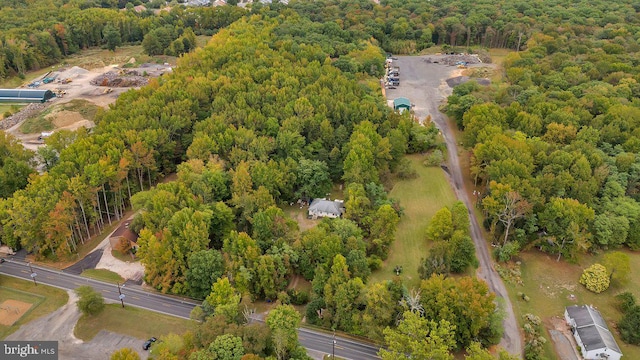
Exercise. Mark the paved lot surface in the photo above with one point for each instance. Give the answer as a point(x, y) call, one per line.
point(89, 262)
point(424, 83)
point(58, 326)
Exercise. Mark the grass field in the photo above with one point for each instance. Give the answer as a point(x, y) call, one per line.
point(132, 321)
point(421, 198)
point(498, 55)
point(549, 285)
point(123, 257)
point(45, 299)
point(13, 108)
point(103, 275)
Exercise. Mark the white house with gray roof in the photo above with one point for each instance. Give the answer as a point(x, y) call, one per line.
point(592, 333)
point(326, 208)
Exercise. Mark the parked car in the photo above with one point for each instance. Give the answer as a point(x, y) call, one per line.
point(1, 260)
point(147, 344)
point(394, 82)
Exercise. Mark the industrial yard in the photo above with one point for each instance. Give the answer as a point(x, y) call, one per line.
point(100, 87)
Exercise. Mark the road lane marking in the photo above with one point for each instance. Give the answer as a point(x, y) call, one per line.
point(24, 271)
point(75, 283)
point(165, 304)
point(135, 297)
point(105, 290)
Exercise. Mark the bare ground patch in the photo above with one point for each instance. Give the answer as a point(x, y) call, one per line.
point(64, 118)
point(12, 310)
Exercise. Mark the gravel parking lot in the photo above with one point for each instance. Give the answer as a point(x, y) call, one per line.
point(423, 82)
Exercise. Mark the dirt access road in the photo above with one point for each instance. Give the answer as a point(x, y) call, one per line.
point(424, 83)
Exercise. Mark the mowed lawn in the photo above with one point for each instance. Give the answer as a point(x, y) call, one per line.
point(420, 198)
point(132, 321)
point(549, 285)
point(103, 275)
point(44, 299)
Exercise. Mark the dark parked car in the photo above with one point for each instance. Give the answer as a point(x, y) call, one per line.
point(1, 260)
point(147, 344)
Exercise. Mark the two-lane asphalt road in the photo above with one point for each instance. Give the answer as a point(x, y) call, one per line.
point(343, 348)
point(133, 296)
point(136, 296)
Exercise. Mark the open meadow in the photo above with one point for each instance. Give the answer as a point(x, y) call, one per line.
point(420, 198)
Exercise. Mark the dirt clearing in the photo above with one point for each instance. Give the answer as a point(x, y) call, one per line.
point(12, 310)
point(64, 118)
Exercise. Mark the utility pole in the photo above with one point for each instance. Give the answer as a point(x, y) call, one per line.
point(33, 275)
point(121, 296)
point(333, 347)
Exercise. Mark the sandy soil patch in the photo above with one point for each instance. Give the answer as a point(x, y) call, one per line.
point(64, 118)
point(128, 270)
point(58, 325)
point(12, 310)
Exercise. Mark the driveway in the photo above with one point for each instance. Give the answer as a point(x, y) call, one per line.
point(424, 83)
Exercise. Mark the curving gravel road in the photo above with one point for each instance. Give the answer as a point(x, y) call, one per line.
point(424, 83)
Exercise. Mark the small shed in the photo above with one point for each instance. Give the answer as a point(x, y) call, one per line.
point(123, 233)
point(326, 208)
point(401, 104)
point(25, 95)
point(592, 333)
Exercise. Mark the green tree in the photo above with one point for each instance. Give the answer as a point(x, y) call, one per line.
point(380, 310)
point(312, 180)
point(224, 347)
point(90, 302)
point(441, 225)
point(567, 222)
point(438, 262)
point(419, 338)
point(125, 354)
point(204, 268)
point(466, 303)
point(383, 228)
point(284, 321)
point(619, 266)
point(629, 326)
point(357, 203)
point(111, 36)
point(223, 300)
point(462, 252)
point(595, 278)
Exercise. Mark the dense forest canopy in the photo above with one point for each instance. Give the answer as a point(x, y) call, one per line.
point(408, 26)
point(36, 34)
point(556, 146)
